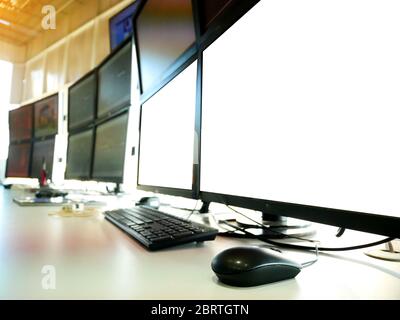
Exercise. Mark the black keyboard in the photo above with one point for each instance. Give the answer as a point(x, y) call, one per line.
point(156, 230)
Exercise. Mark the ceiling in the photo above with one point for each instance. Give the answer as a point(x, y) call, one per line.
point(20, 20)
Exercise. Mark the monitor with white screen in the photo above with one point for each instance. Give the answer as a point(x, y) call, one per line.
point(167, 136)
point(299, 109)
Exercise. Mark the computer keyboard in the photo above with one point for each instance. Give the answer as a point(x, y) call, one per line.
point(156, 230)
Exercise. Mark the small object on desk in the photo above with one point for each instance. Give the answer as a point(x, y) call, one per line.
point(153, 202)
point(252, 266)
point(155, 229)
point(50, 193)
point(69, 211)
point(74, 207)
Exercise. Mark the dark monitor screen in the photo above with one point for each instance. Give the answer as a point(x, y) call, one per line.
point(82, 101)
point(46, 116)
point(165, 30)
point(79, 156)
point(210, 9)
point(115, 81)
point(121, 25)
point(43, 152)
point(21, 123)
point(305, 122)
point(167, 134)
point(109, 154)
point(18, 160)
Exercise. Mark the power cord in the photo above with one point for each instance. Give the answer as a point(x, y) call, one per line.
point(295, 246)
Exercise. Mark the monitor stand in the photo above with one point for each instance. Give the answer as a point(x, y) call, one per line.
point(116, 191)
point(390, 253)
point(280, 226)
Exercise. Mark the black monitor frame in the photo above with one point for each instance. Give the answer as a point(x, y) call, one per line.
point(123, 105)
point(88, 122)
point(189, 56)
point(364, 222)
point(193, 193)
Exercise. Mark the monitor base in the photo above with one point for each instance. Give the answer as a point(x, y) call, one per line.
point(388, 254)
point(279, 227)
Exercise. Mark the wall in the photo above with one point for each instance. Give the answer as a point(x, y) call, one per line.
point(49, 69)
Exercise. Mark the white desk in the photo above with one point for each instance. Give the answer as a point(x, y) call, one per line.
point(95, 260)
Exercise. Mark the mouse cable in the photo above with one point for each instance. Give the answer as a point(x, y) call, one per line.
point(193, 210)
point(301, 247)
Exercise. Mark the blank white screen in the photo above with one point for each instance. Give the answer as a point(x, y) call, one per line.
point(301, 104)
point(167, 134)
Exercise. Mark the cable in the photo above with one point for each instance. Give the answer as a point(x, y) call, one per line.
point(193, 210)
point(301, 247)
point(268, 228)
point(309, 263)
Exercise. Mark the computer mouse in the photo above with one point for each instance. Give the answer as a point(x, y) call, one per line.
point(153, 202)
point(252, 266)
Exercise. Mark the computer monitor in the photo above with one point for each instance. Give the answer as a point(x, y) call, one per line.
point(299, 114)
point(46, 116)
point(43, 152)
point(79, 155)
point(109, 151)
point(121, 25)
point(20, 123)
point(18, 161)
point(167, 137)
point(82, 101)
point(164, 32)
point(114, 91)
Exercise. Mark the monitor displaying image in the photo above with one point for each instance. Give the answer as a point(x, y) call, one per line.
point(46, 117)
point(121, 25)
point(18, 160)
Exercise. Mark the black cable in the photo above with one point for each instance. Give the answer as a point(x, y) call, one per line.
point(295, 246)
point(268, 228)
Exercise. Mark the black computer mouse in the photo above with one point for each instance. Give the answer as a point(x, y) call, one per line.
point(252, 266)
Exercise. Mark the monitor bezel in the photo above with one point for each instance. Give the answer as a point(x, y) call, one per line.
point(385, 225)
point(115, 16)
point(115, 179)
point(115, 109)
point(87, 123)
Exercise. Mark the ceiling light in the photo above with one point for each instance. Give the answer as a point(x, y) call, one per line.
point(5, 22)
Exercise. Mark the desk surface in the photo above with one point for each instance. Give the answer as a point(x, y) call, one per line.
point(95, 260)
